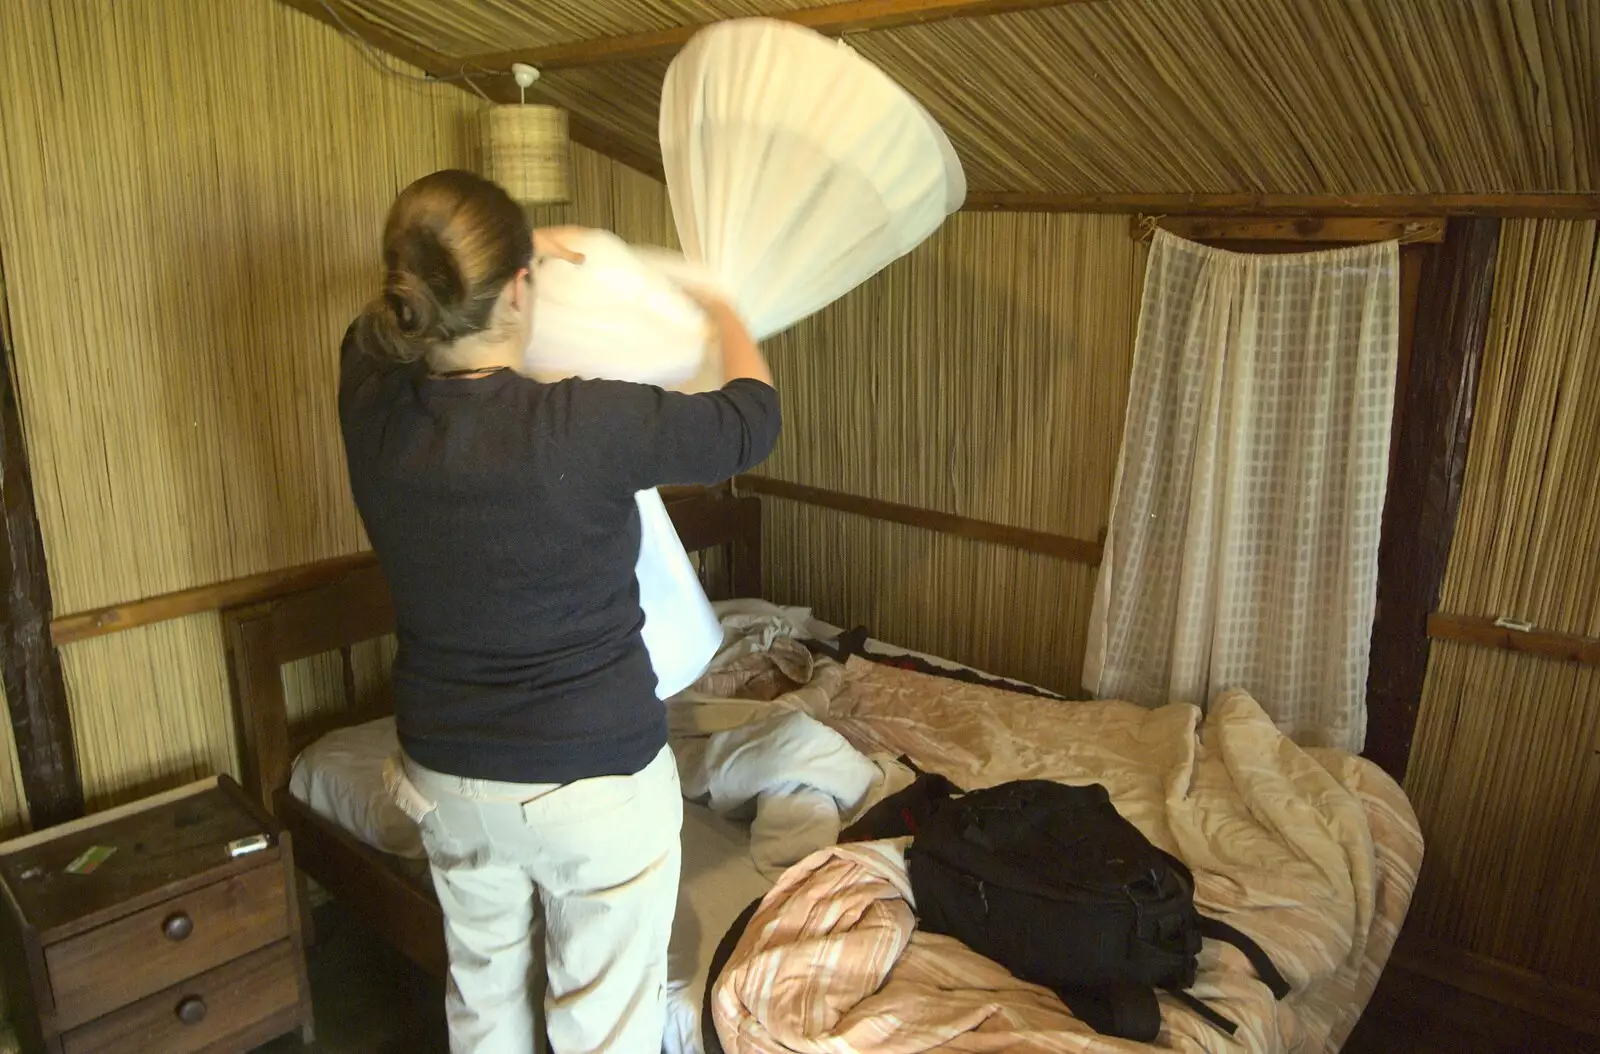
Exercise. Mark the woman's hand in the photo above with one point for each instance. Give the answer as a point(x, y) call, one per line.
point(712, 303)
point(551, 243)
point(740, 355)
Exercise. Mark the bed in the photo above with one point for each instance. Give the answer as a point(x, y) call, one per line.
point(390, 892)
point(315, 778)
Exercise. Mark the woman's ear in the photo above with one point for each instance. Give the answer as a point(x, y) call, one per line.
point(521, 290)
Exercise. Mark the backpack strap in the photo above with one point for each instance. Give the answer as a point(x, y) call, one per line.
point(1130, 1011)
point(1218, 930)
point(1212, 1017)
point(709, 1040)
point(840, 649)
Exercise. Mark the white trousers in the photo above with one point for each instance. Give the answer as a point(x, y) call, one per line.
point(592, 865)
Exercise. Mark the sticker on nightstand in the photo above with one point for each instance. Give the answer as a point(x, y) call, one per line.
point(92, 858)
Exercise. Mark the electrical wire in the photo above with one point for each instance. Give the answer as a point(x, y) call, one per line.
point(372, 55)
point(464, 75)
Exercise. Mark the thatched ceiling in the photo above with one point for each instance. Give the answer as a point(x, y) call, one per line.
point(1274, 96)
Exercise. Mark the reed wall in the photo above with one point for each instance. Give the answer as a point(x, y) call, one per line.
point(986, 375)
point(180, 257)
point(182, 251)
point(1506, 765)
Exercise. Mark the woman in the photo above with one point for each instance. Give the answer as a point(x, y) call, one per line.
point(502, 511)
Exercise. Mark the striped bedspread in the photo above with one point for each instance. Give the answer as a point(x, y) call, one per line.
point(1313, 853)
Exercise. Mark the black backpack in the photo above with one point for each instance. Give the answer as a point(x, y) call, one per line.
point(1052, 883)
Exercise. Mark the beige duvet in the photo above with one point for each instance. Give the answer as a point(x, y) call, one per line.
point(1313, 853)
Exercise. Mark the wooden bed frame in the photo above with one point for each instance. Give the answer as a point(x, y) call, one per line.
point(262, 638)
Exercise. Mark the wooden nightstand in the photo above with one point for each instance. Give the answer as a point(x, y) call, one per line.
point(169, 945)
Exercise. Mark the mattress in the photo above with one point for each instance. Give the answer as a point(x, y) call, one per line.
point(977, 735)
point(340, 778)
point(1313, 853)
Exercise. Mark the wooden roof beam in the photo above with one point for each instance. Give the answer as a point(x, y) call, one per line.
point(1543, 205)
point(853, 16)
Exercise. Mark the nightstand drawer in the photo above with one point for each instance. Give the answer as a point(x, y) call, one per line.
point(147, 951)
point(200, 1011)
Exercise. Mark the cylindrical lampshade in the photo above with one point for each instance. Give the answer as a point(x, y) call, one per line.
point(525, 151)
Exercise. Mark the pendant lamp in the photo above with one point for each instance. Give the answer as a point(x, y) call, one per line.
point(525, 147)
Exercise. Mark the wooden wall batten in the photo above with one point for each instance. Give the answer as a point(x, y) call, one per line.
point(1491, 633)
point(1045, 543)
point(29, 662)
point(1318, 230)
point(1424, 494)
point(249, 589)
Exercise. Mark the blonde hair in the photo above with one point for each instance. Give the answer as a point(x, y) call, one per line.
point(450, 244)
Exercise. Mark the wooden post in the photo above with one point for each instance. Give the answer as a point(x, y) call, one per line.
point(1419, 516)
point(30, 665)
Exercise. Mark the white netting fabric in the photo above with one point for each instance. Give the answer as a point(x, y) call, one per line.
point(797, 170)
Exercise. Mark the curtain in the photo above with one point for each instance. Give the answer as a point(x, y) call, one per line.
point(1243, 544)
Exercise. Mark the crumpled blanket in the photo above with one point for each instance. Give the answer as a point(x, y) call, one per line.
point(802, 780)
point(753, 626)
point(1314, 854)
point(747, 745)
point(762, 670)
point(833, 961)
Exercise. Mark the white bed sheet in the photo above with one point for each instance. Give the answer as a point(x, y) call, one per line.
point(340, 777)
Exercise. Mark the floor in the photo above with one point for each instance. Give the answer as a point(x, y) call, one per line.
point(1411, 1014)
point(370, 1000)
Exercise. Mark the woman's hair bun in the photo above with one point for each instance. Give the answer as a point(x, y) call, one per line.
point(415, 308)
point(451, 243)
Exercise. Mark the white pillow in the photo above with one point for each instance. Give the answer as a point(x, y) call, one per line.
point(340, 777)
point(616, 316)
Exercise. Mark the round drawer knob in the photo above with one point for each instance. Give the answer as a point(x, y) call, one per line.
point(178, 927)
point(192, 1011)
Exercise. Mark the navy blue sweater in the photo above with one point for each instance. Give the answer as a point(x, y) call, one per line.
point(502, 512)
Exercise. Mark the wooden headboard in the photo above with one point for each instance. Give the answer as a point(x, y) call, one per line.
point(262, 638)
